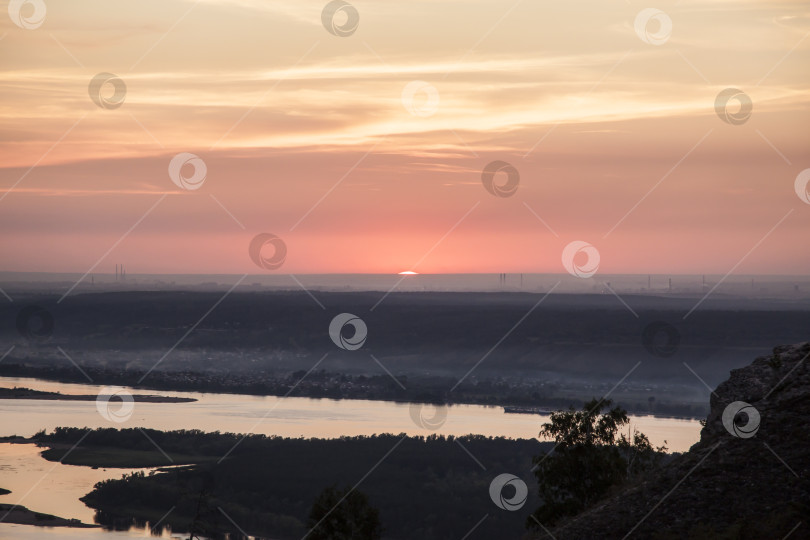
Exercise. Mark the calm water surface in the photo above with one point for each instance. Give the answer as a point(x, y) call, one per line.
point(291, 416)
point(55, 488)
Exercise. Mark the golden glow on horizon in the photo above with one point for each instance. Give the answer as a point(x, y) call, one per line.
point(309, 136)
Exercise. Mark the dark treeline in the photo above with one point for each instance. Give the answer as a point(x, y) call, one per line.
point(425, 487)
point(586, 336)
point(327, 385)
point(568, 349)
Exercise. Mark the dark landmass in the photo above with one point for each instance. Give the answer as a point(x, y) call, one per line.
point(325, 385)
point(95, 454)
point(119, 458)
point(726, 487)
point(4, 491)
point(566, 349)
point(431, 487)
point(526, 410)
point(23, 516)
point(27, 393)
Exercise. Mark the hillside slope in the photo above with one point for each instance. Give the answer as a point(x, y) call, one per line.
point(755, 484)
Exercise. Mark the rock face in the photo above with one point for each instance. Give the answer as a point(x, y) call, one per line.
point(748, 477)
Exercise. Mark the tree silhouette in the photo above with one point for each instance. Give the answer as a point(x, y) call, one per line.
point(589, 458)
point(342, 515)
point(205, 519)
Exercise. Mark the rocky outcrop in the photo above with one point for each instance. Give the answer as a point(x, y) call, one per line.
point(747, 477)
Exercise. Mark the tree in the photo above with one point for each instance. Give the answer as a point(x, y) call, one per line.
point(204, 522)
point(342, 515)
point(589, 458)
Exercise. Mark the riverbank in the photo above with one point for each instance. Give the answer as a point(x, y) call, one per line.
point(340, 386)
point(20, 515)
point(297, 416)
point(429, 347)
point(267, 485)
point(27, 393)
point(100, 456)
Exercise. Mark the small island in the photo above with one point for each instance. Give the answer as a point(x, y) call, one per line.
point(27, 393)
point(21, 515)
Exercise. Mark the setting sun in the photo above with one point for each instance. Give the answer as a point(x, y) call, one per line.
point(205, 202)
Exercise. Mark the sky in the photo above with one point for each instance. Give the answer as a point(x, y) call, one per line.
point(357, 134)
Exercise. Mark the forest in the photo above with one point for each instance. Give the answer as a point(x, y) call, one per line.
point(424, 487)
point(361, 487)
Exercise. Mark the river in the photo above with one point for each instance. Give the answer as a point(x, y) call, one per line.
point(55, 488)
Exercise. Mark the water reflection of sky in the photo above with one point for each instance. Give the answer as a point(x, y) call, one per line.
point(54, 488)
point(293, 417)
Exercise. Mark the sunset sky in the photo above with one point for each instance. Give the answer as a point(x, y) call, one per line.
point(306, 135)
